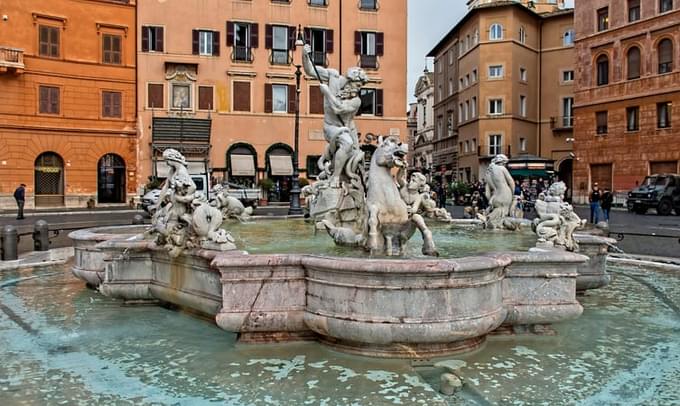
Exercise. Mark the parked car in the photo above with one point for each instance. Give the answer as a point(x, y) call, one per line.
point(660, 192)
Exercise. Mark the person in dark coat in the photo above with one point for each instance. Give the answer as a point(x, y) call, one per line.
point(20, 197)
point(607, 200)
point(595, 199)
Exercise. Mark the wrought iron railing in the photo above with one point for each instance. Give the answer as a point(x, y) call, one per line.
point(562, 122)
point(242, 54)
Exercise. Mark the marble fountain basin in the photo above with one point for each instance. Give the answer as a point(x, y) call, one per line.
point(398, 308)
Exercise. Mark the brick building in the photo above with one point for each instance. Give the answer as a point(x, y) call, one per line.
point(226, 68)
point(504, 84)
point(67, 117)
point(627, 92)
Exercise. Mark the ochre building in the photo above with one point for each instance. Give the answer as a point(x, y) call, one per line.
point(67, 117)
point(627, 93)
point(217, 80)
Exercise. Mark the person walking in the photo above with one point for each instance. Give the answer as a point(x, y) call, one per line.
point(607, 200)
point(20, 197)
point(595, 198)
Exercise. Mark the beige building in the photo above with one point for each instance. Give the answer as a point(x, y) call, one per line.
point(222, 74)
point(423, 143)
point(510, 71)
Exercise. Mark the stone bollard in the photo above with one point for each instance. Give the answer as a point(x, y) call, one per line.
point(10, 240)
point(41, 236)
point(137, 219)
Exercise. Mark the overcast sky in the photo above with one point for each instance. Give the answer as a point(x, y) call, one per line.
point(428, 22)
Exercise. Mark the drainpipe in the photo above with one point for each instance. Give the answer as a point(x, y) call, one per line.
point(540, 89)
point(340, 37)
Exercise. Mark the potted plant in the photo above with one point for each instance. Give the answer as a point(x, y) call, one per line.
point(266, 185)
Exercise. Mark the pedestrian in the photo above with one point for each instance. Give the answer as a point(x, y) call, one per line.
point(607, 200)
point(595, 198)
point(20, 197)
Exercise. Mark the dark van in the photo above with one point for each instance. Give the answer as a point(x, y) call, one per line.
point(660, 192)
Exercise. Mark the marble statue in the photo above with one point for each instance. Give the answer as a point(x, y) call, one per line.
point(183, 218)
point(499, 192)
point(416, 194)
point(231, 207)
point(556, 221)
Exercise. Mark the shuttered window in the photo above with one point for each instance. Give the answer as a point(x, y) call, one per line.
point(205, 98)
point(241, 96)
point(601, 119)
point(243, 37)
point(152, 39)
point(371, 102)
point(48, 41)
point(155, 98)
point(49, 100)
point(633, 63)
point(111, 49)
point(322, 43)
point(369, 46)
point(665, 56)
point(315, 100)
point(112, 104)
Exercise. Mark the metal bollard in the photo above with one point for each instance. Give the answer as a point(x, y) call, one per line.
point(10, 240)
point(41, 236)
point(138, 219)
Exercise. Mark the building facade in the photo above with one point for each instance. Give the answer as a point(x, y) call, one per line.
point(504, 84)
point(423, 143)
point(222, 74)
point(67, 120)
point(627, 92)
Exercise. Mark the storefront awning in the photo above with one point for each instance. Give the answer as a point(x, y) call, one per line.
point(242, 165)
point(537, 173)
point(281, 165)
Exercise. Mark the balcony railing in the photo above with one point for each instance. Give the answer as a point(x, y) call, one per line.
point(319, 58)
point(242, 54)
point(369, 61)
point(562, 122)
point(11, 59)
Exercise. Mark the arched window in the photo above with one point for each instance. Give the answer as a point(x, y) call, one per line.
point(633, 59)
point(496, 32)
point(522, 35)
point(665, 56)
point(602, 70)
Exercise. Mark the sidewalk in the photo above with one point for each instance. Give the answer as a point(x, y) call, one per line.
point(65, 211)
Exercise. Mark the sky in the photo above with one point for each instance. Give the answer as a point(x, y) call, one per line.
point(428, 22)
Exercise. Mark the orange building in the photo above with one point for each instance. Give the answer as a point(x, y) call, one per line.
point(67, 117)
point(217, 81)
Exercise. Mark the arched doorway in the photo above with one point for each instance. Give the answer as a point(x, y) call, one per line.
point(49, 180)
point(111, 179)
point(280, 171)
point(565, 172)
point(242, 164)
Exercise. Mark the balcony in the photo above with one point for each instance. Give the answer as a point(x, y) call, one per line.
point(369, 62)
point(562, 123)
point(11, 60)
point(242, 54)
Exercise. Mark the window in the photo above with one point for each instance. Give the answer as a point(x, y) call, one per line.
point(49, 100)
point(467, 42)
point(451, 57)
point(473, 107)
point(633, 59)
point(460, 83)
point(440, 130)
point(496, 106)
point(601, 118)
point(450, 86)
point(523, 144)
point(476, 36)
point(603, 19)
point(522, 35)
point(523, 74)
point(111, 49)
point(602, 70)
point(473, 144)
point(663, 114)
point(205, 98)
point(633, 10)
point(523, 106)
point(370, 45)
point(496, 71)
point(371, 102)
point(467, 80)
point(241, 96)
point(633, 118)
point(48, 41)
point(449, 123)
point(278, 38)
point(321, 41)
point(568, 76)
point(317, 2)
point(460, 112)
point(205, 43)
point(439, 92)
point(111, 104)
point(279, 98)
point(152, 39)
point(568, 112)
point(665, 51)
point(154, 98)
point(568, 38)
point(316, 100)
point(368, 4)
point(467, 147)
point(474, 75)
point(665, 5)
point(466, 113)
point(495, 145)
point(181, 96)
point(495, 32)
point(243, 37)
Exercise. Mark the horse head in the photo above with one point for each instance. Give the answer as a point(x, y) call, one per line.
point(390, 153)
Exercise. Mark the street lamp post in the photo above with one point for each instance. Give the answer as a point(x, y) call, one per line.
point(295, 208)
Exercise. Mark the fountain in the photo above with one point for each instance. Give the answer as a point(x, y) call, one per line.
point(374, 301)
